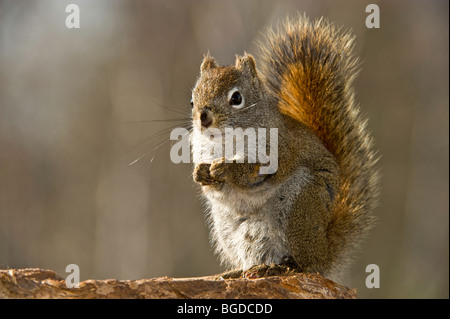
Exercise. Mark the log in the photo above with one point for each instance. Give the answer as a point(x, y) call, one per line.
point(34, 283)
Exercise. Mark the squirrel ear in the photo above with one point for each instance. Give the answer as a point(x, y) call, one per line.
point(208, 62)
point(246, 63)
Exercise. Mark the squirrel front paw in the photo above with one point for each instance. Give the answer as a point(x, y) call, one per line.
point(239, 174)
point(207, 174)
point(218, 169)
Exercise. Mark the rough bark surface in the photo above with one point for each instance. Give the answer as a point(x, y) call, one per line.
point(40, 283)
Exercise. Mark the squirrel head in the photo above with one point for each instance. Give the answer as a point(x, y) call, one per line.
point(227, 96)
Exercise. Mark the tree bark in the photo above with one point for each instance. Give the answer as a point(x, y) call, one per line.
point(34, 283)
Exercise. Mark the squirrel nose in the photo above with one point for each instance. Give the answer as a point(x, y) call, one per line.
point(206, 118)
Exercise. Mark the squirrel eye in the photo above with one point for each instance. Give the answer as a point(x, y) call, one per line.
point(235, 98)
point(192, 102)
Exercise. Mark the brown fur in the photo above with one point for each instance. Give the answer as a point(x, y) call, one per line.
point(317, 206)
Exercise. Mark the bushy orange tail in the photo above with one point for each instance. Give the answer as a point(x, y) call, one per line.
point(310, 67)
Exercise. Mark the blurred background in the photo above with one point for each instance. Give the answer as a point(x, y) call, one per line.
point(78, 105)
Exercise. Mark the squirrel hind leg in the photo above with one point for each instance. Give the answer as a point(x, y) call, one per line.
point(290, 262)
point(271, 270)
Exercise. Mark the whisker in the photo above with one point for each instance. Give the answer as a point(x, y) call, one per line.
point(162, 143)
point(247, 107)
point(148, 152)
point(159, 133)
point(155, 121)
point(157, 147)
